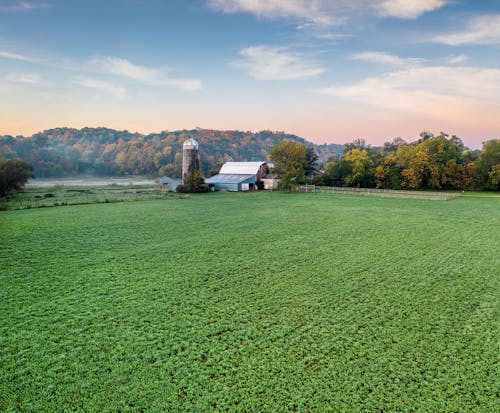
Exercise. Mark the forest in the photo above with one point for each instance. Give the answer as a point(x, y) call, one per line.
point(107, 152)
point(431, 162)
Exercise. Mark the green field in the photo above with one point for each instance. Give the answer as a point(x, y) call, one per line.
point(261, 302)
point(62, 196)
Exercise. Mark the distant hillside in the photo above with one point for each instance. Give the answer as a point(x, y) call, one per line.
point(103, 151)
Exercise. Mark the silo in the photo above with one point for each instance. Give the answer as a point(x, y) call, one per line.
point(189, 158)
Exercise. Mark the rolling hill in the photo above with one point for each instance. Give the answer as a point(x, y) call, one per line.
point(103, 151)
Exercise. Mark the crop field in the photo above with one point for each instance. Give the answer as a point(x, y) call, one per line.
point(263, 302)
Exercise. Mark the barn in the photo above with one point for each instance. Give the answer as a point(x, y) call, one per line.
point(238, 176)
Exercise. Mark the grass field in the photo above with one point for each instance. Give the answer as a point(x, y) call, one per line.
point(262, 302)
point(78, 195)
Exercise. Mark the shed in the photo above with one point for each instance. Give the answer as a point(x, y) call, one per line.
point(169, 184)
point(270, 181)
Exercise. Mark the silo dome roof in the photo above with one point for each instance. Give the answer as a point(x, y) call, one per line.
point(190, 144)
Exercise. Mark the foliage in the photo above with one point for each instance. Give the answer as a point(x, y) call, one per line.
point(182, 307)
point(312, 164)
point(290, 163)
point(14, 173)
point(334, 173)
point(108, 152)
point(488, 165)
point(431, 162)
point(360, 165)
point(193, 184)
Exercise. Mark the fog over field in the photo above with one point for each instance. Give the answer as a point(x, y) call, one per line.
point(88, 182)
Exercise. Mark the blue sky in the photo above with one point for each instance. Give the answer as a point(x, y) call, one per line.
point(327, 70)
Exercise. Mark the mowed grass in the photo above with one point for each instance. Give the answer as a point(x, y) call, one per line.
point(262, 302)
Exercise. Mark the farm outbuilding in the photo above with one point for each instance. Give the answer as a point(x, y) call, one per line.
point(169, 184)
point(270, 181)
point(238, 176)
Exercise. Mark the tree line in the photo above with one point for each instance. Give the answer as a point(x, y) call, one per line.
point(108, 152)
point(431, 162)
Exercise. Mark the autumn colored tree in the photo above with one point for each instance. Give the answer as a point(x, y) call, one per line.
point(387, 173)
point(433, 162)
point(361, 168)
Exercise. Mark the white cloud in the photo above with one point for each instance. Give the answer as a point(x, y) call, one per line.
point(115, 90)
point(479, 30)
point(24, 6)
point(430, 90)
point(385, 58)
point(408, 9)
point(276, 63)
point(15, 56)
point(146, 75)
point(457, 59)
point(327, 12)
point(311, 10)
point(30, 78)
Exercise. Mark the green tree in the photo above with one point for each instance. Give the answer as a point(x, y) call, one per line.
point(494, 176)
point(487, 166)
point(290, 163)
point(312, 164)
point(193, 184)
point(14, 173)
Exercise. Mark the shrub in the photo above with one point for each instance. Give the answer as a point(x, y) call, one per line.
point(193, 184)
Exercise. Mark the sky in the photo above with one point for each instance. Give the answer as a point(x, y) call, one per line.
point(330, 71)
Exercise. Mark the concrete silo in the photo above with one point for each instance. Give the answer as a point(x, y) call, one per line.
point(190, 160)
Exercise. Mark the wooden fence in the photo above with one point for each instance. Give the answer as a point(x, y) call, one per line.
point(389, 193)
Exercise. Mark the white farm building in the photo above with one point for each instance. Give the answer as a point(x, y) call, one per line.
point(238, 176)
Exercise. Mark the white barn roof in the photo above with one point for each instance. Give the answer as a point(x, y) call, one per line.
point(241, 168)
point(227, 179)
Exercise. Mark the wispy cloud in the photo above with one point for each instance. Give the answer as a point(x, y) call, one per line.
point(24, 6)
point(15, 56)
point(30, 78)
point(276, 63)
point(408, 9)
point(115, 90)
point(457, 59)
point(386, 59)
point(479, 30)
point(145, 75)
point(429, 90)
point(310, 10)
point(327, 12)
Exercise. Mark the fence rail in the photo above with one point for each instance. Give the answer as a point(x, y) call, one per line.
point(390, 193)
